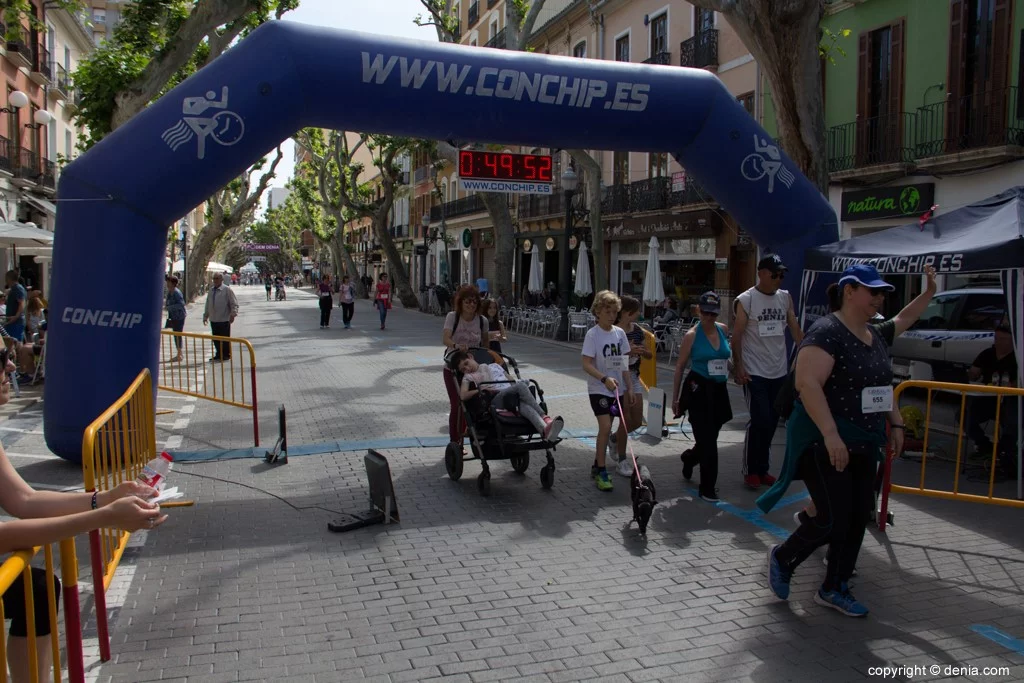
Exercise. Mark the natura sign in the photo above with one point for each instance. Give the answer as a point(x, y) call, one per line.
point(901, 201)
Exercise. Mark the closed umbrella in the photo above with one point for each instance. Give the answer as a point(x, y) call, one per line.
point(583, 286)
point(654, 292)
point(536, 283)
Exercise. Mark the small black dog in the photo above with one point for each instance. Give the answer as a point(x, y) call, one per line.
point(644, 498)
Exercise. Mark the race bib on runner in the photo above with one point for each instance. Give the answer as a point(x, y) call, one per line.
point(770, 328)
point(718, 367)
point(876, 399)
point(384, 297)
point(616, 363)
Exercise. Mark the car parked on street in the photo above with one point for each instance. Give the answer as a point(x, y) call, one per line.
point(955, 327)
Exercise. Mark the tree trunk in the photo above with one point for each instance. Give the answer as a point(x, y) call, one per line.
point(343, 259)
point(199, 254)
point(399, 276)
point(504, 241)
point(592, 177)
point(784, 37)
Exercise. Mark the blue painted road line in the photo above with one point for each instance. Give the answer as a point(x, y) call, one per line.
point(754, 516)
point(789, 500)
point(1000, 638)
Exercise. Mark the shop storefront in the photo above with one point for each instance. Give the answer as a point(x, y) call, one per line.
point(693, 248)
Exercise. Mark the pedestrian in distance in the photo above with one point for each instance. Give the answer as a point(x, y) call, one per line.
point(176, 313)
point(382, 298)
point(763, 313)
point(221, 310)
point(347, 301)
point(326, 302)
point(267, 284)
point(495, 328)
point(835, 438)
point(704, 394)
point(605, 353)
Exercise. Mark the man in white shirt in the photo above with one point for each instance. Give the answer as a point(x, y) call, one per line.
point(221, 309)
point(763, 313)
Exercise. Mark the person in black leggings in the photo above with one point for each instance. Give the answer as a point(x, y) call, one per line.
point(835, 438)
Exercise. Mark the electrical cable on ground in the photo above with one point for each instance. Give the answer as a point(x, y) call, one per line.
point(297, 508)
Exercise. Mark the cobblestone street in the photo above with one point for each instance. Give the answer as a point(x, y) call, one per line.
point(527, 584)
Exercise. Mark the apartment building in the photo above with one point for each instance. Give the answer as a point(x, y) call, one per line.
point(643, 195)
point(104, 17)
point(39, 101)
point(925, 108)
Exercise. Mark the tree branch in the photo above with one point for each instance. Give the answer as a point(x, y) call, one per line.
point(531, 18)
point(205, 18)
point(221, 41)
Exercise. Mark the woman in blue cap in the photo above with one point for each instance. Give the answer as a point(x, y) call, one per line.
point(704, 393)
point(836, 436)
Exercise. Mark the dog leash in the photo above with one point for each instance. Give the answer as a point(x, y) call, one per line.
point(622, 418)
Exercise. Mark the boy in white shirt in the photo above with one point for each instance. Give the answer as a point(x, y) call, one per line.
point(503, 387)
point(605, 351)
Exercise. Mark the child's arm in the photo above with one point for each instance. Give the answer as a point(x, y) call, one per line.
point(465, 393)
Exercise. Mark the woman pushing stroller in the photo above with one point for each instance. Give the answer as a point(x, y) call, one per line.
point(492, 378)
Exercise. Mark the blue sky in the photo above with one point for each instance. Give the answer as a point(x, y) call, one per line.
point(390, 17)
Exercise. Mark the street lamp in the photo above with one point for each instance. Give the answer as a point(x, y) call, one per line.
point(184, 253)
point(17, 99)
point(569, 183)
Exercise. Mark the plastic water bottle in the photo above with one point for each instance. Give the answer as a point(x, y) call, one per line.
point(155, 472)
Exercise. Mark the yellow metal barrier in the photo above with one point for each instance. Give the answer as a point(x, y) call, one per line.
point(222, 382)
point(965, 391)
point(115, 448)
point(27, 662)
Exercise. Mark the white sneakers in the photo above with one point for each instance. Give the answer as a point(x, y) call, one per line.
point(625, 467)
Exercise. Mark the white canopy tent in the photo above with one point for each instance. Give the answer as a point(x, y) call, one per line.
point(211, 267)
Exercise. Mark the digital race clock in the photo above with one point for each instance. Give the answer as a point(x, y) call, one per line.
point(475, 164)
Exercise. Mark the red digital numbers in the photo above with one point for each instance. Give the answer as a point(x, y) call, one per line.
point(505, 166)
point(466, 163)
point(544, 171)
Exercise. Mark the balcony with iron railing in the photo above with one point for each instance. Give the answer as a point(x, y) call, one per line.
point(42, 68)
point(474, 14)
point(542, 205)
point(422, 173)
point(985, 127)
point(884, 143)
point(49, 177)
point(659, 58)
point(652, 194)
point(8, 155)
point(498, 41)
point(27, 165)
point(700, 51)
point(61, 79)
point(463, 206)
point(20, 53)
point(457, 31)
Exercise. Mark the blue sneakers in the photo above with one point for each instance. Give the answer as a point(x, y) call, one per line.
point(841, 600)
point(778, 576)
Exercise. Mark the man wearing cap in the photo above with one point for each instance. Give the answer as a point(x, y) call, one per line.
point(762, 313)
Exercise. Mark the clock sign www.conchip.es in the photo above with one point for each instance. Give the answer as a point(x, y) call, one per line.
point(480, 165)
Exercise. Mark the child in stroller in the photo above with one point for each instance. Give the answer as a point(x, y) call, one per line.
point(505, 417)
point(508, 393)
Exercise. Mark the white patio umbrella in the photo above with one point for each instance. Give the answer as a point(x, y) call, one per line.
point(249, 268)
point(211, 267)
point(583, 286)
point(536, 283)
point(24, 235)
point(654, 291)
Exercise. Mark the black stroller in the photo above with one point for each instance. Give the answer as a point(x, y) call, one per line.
point(497, 434)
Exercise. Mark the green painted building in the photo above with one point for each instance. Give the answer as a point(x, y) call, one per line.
point(928, 93)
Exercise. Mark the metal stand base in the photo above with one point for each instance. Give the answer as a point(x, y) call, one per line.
point(358, 521)
point(280, 449)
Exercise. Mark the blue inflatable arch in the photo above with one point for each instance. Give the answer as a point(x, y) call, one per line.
point(118, 199)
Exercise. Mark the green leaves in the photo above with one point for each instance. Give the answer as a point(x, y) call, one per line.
point(830, 43)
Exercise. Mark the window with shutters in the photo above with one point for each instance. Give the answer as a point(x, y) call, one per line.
point(659, 35)
point(620, 168)
point(580, 51)
point(622, 49)
point(980, 40)
point(880, 95)
point(657, 165)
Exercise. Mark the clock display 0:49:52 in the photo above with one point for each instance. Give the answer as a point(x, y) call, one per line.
point(504, 166)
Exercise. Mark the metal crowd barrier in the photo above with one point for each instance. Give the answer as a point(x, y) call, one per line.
point(19, 565)
point(224, 382)
point(965, 391)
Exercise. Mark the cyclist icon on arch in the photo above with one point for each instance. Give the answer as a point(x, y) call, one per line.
point(766, 161)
